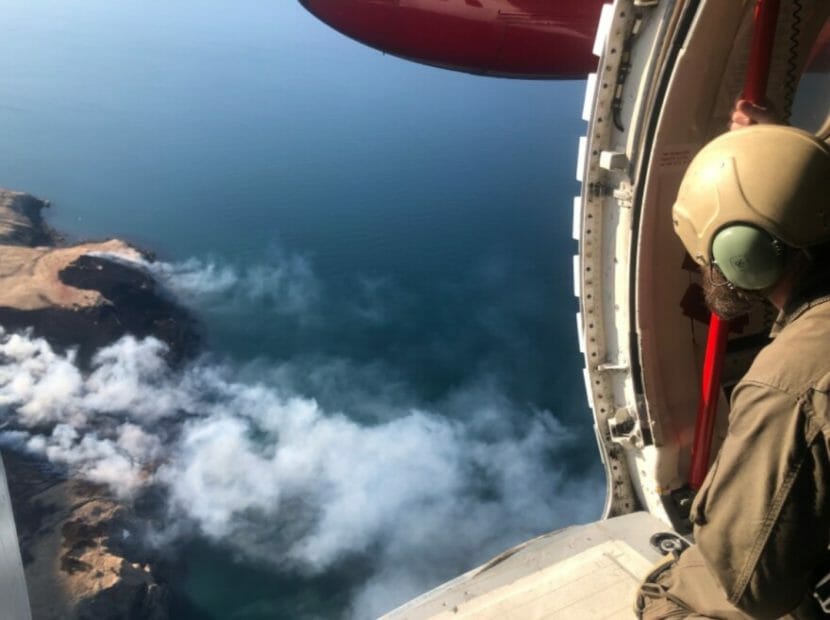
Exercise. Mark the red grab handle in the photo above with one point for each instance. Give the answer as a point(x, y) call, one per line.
point(755, 88)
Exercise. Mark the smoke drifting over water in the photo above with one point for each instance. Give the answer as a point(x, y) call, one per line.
point(288, 284)
point(419, 490)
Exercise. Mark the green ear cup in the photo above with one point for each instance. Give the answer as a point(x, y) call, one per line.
point(748, 257)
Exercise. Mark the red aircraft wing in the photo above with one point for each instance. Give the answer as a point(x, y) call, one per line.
point(543, 39)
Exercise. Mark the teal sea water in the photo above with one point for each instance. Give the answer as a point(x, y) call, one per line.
point(384, 243)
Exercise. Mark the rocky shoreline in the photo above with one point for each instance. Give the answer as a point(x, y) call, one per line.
point(73, 533)
point(72, 536)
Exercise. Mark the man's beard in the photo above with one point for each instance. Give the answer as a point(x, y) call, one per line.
point(725, 300)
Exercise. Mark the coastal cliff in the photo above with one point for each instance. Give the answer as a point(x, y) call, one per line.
point(74, 534)
point(73, 295)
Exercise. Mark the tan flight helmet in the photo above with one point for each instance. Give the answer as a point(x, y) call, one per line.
point(747, 192)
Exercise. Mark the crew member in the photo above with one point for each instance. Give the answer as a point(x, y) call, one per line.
point(753, 212)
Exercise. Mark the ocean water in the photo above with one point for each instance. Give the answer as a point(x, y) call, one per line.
point(380, 252)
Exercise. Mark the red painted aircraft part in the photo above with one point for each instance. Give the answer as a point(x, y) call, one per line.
point(506, 38)
point(709, 394)
point(755, 87)
point(760, 54)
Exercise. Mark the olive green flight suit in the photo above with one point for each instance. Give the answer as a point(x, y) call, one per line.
point(762, 517)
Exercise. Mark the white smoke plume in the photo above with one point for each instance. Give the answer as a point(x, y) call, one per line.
point(281, 480)
point(285, 285)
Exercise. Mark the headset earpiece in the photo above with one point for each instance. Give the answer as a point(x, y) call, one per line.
point(749, 257)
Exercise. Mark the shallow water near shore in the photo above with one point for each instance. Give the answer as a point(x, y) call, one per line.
point(382, 246)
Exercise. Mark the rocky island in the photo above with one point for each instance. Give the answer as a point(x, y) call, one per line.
point(72, 533)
